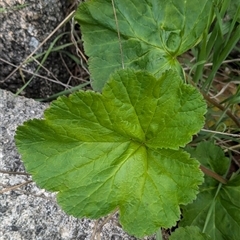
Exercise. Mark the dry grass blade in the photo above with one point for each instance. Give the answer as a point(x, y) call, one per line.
point(98, 227)
point(35, 74)
point(221, 133)
point(15, 187)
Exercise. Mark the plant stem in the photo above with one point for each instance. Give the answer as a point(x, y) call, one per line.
point(213, 174)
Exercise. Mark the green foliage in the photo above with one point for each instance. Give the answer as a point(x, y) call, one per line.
point(219, 38)
point(234, 9)
point(119, 149)
point(216, 209)
point(152, 34)
point(189, 233)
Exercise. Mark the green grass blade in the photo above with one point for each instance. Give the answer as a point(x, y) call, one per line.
point(222, 56)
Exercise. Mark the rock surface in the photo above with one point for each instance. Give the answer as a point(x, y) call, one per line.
point(24, 25)
point(27, 212)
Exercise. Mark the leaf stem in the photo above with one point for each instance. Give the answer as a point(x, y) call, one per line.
point(213, 174)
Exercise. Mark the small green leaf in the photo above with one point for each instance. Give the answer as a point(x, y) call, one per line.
point(119, 149)
point(216, 211)
point(153, 33)
point(189, 233)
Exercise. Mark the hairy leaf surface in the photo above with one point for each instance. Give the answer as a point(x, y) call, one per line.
point(189, 233)
point(217, 207)
point(119, 149)
point(153, 33)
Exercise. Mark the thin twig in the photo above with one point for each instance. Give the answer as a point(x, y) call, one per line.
point(94, 230)
point(107, 219)
point(35, 74)
point(98, 228)
point(15, 187)
point(222, 90)
point(70, 73)
point(49, 72)
point(232, 148)
point(221, 133)
point(236, 161)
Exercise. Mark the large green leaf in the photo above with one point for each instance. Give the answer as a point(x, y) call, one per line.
point(119, 149)
point(189, 233)
point(216, 211)
point(152, 32)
